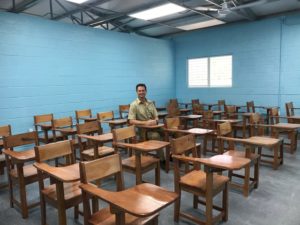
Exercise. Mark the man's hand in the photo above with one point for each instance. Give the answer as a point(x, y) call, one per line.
point(151, 122)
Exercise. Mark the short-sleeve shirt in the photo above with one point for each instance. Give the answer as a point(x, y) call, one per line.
point(142, 110)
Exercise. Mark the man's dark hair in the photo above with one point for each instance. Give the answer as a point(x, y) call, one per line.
point(140, 85)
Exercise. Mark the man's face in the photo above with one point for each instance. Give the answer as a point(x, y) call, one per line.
point(141, 92)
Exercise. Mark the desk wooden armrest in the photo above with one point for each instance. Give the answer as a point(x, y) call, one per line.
point(21, 156)
point(150, 126)
point(142, 200)
point(223, 162)
point(107, 137)
point(260, 125)
point(84, 136)
point(282, 117)
point(150, 145)
point(236, 140)
point(207, 104)
point(176, 130)
point(65, 174)
point(43, 126)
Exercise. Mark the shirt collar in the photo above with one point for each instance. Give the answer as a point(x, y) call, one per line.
point(140, 102)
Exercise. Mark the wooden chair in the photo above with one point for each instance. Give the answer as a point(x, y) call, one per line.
point(110, 118)
point(231, 112)
point(173, 103)
point(90, 150)
point(197, 108)
point(195, 101)
point(18, 172)
point(290, 113)
point(221, 105)
point(250, 107)
point(43, 123)
point(4, 132)
point(106, 115)
point(173, 110)
point(61, 123)
point(199, 183)
point(225, 134)
point(125, 206)
point(175, 124)
point(63, 191)
point(85, 115)
point(137, 164)
point(289, 106)
point(64, 127)
point(123, 110)
point(289, 131)
point(208, 123)
point(257, 138)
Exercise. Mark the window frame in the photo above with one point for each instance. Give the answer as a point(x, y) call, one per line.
point(208, 71)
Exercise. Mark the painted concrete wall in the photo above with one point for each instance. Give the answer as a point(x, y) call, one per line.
point(266, 65)
point(52, 67)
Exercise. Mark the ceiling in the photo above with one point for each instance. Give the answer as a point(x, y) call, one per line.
point(114, 14)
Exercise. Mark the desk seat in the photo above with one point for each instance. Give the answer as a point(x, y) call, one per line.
point(265, 141)
point(146, 161)
point(197, 179)
point(104, 216)
point(50, 137)
point(29, 172)
point(102, 151)
point(241, 154)
point(71, 190)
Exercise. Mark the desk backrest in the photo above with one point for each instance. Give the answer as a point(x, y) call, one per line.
point(20, 140)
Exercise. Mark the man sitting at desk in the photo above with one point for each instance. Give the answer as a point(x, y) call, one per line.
point(143, 112)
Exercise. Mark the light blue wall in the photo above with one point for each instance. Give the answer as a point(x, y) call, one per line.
point(290, 58)
point(266, 65)
point(52, 67)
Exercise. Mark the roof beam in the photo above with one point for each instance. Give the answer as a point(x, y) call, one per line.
point(80, 8)
point(119, 15)
point(26, 4)
point(155, 24)
point(163, 23)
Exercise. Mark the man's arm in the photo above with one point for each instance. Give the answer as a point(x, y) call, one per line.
point(140, 122)
point(132, 117)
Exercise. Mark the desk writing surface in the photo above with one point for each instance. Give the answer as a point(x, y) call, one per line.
point(264, 141)
point(150, 126)
point(68, 173)
point(286, 125)
point(21, 156)
point(200, 131)
point(98, 138)
point(228, 120)
point(294, 117)
point(141, 200)
point(69, 130)
point(191, 117)
point(146, 146)
point(225, 162)
point(115, 121)
point(196, 131)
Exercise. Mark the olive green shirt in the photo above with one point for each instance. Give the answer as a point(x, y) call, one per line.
point(142, 111)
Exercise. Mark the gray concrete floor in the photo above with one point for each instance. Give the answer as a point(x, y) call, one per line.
point(276, 201)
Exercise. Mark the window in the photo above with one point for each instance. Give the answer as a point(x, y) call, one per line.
point(210, 72)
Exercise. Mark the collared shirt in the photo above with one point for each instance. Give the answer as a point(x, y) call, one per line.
point(142, 110)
